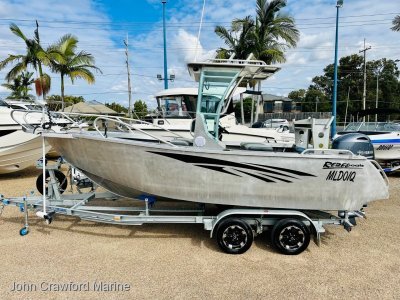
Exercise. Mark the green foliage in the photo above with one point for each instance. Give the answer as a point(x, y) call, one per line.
point(33, 57)
point(267, 37)
point(117, 107)
point(63, 59)
point(350, 86)
point(54, 101)
point(140, 108)
point(246, 108)
point(20, 87)
point(396, 23)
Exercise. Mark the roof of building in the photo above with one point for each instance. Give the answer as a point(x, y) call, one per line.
point(270, 97)
point(87, 108)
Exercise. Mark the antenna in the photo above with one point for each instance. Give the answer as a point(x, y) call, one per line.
point(198, 36)
point(126, 42)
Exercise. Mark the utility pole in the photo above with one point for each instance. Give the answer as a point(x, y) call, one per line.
point(365, 76)
point(126, 42)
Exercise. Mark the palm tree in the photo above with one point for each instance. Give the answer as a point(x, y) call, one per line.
point(20, 86)
point(239, 38)
point(274, 32)
point(396, 23)
point(31, 58)
point(62, 59)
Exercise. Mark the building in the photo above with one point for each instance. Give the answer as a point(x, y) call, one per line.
point(279, 104)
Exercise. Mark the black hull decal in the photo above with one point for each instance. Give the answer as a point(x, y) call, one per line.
point(286, 170)
point(218, 169)
point(223, 167)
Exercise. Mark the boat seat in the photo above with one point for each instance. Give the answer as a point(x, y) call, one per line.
point(180, 142)
point(256, 147)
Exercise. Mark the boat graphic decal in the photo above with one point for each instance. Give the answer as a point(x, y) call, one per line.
point(233, 168)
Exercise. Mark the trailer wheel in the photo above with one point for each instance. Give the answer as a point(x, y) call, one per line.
point(290, 236)
point(60, 177)
point(234, 236)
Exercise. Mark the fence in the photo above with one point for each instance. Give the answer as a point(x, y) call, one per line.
point(292, 115)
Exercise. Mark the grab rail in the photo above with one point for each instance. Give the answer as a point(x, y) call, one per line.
point(130, 127)
point(328, 151)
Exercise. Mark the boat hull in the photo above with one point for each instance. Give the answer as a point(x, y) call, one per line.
point(19, 150)
point(243, 178)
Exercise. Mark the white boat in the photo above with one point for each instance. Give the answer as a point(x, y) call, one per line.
point(385, 137)
point(177, 112)
point(207, 171)
point(20, 149)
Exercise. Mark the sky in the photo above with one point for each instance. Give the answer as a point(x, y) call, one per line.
point(101, 27)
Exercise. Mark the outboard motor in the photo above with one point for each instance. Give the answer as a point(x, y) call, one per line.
point(355, 142)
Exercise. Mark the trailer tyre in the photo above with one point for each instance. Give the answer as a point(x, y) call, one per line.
point(290, 236)
point(234, 236)
point(60, 177)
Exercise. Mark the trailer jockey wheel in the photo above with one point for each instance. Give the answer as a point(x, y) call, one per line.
point(60, 178)
point(234, 236)
point(290, 236)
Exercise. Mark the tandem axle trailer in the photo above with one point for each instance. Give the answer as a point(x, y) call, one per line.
point(233, 228)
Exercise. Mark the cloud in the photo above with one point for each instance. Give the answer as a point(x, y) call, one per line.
point(100, 35)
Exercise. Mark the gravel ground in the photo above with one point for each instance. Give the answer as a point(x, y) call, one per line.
point(181, 261)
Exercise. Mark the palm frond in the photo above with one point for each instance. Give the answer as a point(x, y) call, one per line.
point(396, 23)
point(81, 73)
point(17, 31)
point(10, 59)
point(15, 71)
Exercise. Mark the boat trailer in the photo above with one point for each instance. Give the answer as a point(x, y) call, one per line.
point(234, 228)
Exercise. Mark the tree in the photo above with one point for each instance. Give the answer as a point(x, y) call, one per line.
point(62, 59)
point(246, 108)
point(267, 37)
point(117, 107)
point(350, 86)
point(54, 101)
point(140, 108)
point(33, 58)
point(239, 38)
point(274, 32)
point(396, 23)
point(20, 86)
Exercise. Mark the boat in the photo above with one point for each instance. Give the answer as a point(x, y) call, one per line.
point(177, 110)
point(385, 137)
point(208, 171)
point(19, 148)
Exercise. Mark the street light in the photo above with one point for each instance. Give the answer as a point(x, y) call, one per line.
point(165, 47)
point(171, 78)
point(339, 4)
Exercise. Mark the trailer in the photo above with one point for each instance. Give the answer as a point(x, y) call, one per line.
point(234, 228)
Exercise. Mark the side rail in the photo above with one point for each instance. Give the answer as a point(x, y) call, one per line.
point(328, 152)
point(131, 128)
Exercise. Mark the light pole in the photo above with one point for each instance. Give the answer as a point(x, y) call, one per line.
point(339, 4)
point(165, 48)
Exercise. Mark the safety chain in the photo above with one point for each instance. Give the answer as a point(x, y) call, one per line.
point(47, 125)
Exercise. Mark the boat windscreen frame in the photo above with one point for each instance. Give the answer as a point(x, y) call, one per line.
point(211, 77)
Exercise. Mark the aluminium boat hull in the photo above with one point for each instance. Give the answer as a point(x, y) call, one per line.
point(242, 178)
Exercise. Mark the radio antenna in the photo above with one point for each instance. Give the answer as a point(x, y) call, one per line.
point(201, 23)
